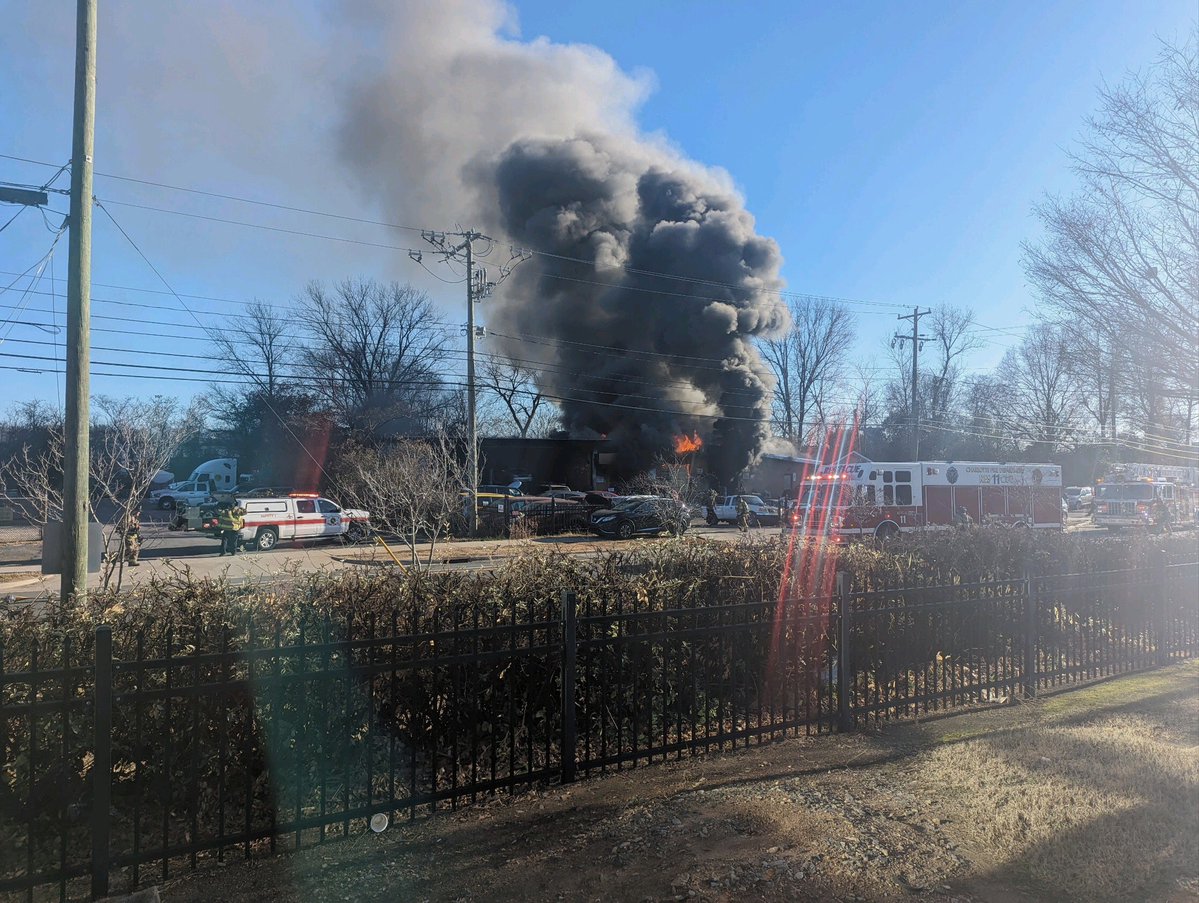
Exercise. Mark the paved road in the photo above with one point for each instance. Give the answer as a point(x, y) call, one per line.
point(166, 552)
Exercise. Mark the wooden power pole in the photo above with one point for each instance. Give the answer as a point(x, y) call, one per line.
point(79, 286)
point(916, 339)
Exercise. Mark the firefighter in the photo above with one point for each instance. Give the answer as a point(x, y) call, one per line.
point(230, 520)
point(962, 518)
point(1163, 517)
point(132, 528)
point(742, 514)
point(711, 518)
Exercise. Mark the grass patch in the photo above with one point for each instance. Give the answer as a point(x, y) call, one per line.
point(1104, 809)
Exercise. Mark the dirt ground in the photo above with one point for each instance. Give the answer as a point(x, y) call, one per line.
point(1090, 794)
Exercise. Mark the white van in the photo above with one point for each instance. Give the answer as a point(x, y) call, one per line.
point(299, 516)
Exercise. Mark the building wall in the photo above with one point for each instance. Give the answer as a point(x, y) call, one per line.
point(569, 461)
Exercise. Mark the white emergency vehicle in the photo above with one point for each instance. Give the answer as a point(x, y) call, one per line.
point(299, 516)
point(882, 498)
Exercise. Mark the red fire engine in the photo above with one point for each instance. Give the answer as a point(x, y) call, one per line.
point(874, 498)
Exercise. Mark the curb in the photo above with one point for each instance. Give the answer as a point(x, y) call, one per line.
point(20, 583)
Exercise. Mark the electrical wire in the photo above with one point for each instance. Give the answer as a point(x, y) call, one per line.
point(635, 271)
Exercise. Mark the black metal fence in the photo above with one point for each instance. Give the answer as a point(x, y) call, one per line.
point(139, 756)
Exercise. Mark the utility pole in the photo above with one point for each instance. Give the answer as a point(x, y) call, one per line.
point(79, 287)
point(477, 288)
point(472, 453)
point(917, 341)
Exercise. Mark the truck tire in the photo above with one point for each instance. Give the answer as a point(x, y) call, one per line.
point(266, 539)
point(356, 532)
point(166, 503)
point(886, 530)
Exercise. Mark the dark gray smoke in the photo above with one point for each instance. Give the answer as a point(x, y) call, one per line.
point(633, 355)
point(537, 143)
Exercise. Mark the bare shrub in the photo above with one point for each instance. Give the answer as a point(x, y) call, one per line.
point(412, 488)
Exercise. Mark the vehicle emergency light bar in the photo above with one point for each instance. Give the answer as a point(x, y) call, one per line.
point(303, 495)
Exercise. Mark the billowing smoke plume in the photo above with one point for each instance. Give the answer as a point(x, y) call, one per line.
point(636, 356)
point(537, 143)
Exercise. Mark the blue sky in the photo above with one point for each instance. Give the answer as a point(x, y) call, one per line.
point(894, 151)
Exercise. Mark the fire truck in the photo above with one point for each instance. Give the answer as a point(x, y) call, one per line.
point(1154, 496)
point(882, 499)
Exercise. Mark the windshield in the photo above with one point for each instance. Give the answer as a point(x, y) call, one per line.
point(1113, 492)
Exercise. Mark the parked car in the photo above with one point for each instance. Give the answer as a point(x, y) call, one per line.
point(191, 492)
point(496, 489)
point(1079, 498)
point(759, 512)
point(648, 516)
point(554, 490)
point(491, 515)
point(549, 514)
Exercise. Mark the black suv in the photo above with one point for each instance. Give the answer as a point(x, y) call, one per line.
point(642, 516)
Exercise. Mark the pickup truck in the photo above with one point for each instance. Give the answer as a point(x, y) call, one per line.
point(759, 512)
point(191, 492)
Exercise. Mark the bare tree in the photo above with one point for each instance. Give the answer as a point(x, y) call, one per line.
point(31, 479)
point(950, 339)
point(514, 386)
point(134, 440)
point(808, 362)
point(412, 488)
point(377, 351)
point(257, 344)
point(1120, 257)
point(1040, 399)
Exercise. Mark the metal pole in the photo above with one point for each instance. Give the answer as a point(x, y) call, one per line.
point(79, 287)
point(844, 703)
point(569, 651)
point(472, 426)
point(1032, 630)
point(102, 763)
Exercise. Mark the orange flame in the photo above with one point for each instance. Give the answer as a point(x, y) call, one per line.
point(685, 445)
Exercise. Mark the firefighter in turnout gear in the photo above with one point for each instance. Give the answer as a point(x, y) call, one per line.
point(132, 529)
point(230, 520)
point(742, 514)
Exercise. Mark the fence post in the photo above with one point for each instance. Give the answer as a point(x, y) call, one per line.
point(844, 712)
point(569, 732)
point(102, 762)
point(1161, 609)
point(1032, 626)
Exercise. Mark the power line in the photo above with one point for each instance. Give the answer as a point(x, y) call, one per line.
point(317, 381)
point(632, 270)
